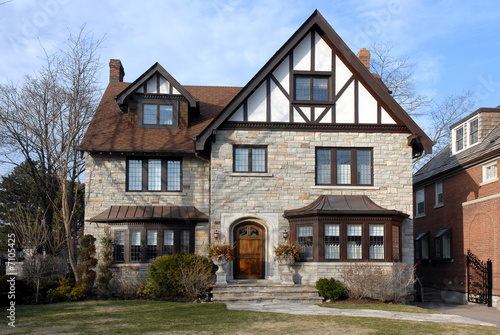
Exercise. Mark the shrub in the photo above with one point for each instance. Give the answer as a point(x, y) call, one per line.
point(384, 283)
point(331, 289)
point(177, 275)
point(24, 292)
point(66, 292)
point(105, 274)
point(88, 262)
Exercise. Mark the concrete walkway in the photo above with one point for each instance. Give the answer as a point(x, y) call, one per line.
point(302, 309)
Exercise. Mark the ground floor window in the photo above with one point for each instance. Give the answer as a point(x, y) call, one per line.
point(142, 243)
point(442, 244)
point(348, 241)
point(422, 247)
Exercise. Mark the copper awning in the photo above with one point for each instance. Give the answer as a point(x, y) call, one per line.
point(342, 205)
point(150, 213)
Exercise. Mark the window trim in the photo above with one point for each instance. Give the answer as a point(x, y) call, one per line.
point(353, 162)
point(312, 76)
point(160, 227)
point(250, 156)
point(342, 221)
point(419, 214)
point(469, 128)
point(145, 174)
point(158, 102)
point(484, 172)
point(418, 251)
point(436, 192)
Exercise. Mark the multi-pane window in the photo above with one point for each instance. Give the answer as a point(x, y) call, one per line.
point(119, 246)
point(490, 171)
point(162, 115)
point(311, 88)
point(376, 241)
point(156, 174)
point(459, 138)
point(439, 193)
point(135, 246)
point(249, 159)
point(152, 239)
point(354, 241)
point(184, 243)
point(474, 131)
point(168, 242)
point(344, 166)
point(332, 241)
point(420, 200)
point(305, 240)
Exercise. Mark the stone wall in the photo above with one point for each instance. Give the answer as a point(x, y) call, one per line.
point(290, 181)
point(105, 186)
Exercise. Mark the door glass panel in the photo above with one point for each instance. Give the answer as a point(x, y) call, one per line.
point(254, 232)
point(243, 232)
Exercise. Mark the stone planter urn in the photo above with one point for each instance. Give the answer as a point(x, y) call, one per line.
point(221, 273)
point(286, 261)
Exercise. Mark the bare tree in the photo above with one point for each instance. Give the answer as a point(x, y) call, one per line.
point(44, 120)
point(398, 75)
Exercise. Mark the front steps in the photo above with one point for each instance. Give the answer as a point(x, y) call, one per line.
point(251, 291)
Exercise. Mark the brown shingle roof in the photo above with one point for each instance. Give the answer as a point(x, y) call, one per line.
point(114, 131)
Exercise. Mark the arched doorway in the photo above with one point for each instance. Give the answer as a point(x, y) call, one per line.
point(249, 238)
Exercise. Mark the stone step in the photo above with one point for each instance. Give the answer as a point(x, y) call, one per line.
point(265, 292)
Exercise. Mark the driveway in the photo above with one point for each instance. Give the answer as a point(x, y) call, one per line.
point(472, 311)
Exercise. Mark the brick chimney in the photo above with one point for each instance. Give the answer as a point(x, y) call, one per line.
point(364, 57)
point(116, 71)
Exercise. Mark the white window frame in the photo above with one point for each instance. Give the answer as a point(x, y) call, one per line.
point(466, 126)
point(488, 165)
point(439, 190)
point(418, 193)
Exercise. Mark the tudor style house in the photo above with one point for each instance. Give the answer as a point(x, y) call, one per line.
point(313, 147)
point(457, 209)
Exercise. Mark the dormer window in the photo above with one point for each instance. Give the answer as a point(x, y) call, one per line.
point(157, 113)
point(465, 135)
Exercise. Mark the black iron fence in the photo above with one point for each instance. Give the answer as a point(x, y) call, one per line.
point(479, 280)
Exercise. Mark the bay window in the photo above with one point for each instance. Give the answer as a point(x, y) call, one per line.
point(354, 241)
point(305, 240)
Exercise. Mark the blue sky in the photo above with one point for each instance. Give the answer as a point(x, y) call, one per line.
point(455, 44)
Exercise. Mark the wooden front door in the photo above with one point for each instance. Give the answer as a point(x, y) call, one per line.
point(249, 250)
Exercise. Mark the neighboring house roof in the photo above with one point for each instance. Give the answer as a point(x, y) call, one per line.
point(114, 131)
point(445, 162)
point(342, 205)
point(150, 213)
point(317, 20)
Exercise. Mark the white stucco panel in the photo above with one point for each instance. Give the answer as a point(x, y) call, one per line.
point(323, 54)
point(367, 106)
point(297, 118)
point(280, 106)
point(151, 85)
point(238, 115)
point(328, 116)
point(342, 74)
point(282, 74)
point(164, 85)
point(344, 112)
point(257, 104)
point(302, 55)
point(386, 118)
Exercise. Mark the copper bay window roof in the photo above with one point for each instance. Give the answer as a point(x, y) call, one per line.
point(342, 205)
point(117, 214)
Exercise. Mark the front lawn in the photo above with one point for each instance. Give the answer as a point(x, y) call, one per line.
point(154, 317)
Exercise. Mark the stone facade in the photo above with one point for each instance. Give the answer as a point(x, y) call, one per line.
point(290, 183)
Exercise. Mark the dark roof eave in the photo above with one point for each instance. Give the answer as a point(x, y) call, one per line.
point(307, 213)
point(111, 221)
point(137, 151)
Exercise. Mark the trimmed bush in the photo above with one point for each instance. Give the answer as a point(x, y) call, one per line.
point(66, 292)
point(331, 289)
point(167, 276)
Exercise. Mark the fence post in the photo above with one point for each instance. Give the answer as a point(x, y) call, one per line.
point(489, 268)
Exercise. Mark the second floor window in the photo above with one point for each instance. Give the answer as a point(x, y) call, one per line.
point(420, 200)
point(250, 159)
point(155, 174)
point(311, 88)
point(344, 166)
point(439, 193)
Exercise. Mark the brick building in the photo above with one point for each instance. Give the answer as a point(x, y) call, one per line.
point(313, 147)
point(457, 208)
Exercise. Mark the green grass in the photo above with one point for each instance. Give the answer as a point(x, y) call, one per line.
point(381, 307)
point(154, 317)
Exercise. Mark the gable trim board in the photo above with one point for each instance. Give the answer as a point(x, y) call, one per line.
point(386, 107)
point(122, 98)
